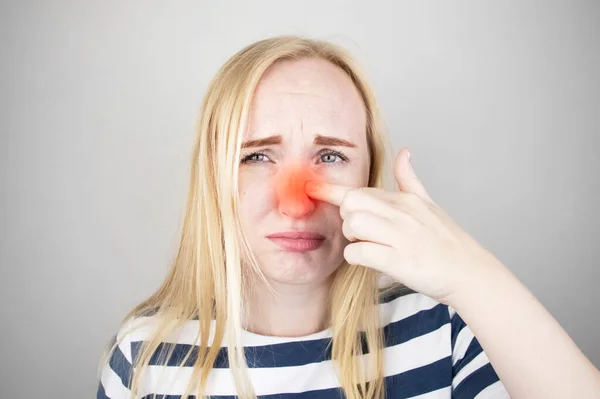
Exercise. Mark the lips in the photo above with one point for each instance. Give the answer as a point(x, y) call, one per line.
point(298, 235)
point(297, 241)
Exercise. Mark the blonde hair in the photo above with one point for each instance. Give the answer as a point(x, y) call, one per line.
point(207, 281)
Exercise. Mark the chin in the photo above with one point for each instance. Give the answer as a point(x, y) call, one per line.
point(298, 268)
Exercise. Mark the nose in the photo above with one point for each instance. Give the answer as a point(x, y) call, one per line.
point(291, 195)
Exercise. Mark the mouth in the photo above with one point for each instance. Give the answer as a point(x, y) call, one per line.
point(297, 241)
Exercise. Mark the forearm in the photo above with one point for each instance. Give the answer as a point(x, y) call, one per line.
point(531, 353)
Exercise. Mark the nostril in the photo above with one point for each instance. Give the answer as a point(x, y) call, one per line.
point(297, 207)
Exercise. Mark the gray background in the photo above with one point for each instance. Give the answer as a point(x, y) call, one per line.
point(499, 102)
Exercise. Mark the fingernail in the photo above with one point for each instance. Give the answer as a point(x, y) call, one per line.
point(409, 157)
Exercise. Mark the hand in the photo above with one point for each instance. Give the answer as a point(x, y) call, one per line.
point(405, 234)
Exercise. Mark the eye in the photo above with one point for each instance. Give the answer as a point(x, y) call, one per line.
point(330, 156)
point(255, 157)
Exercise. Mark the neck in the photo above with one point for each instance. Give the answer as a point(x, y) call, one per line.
point(291, 311)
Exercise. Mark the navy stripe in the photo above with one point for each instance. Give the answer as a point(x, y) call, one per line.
point(457, 324)
point(121, 366)
point(473, 351)
point(475, 382)
point(396, 293)
point(420, 323)
point(268, 356)
point(101, 394)
point(303, 352)
point(414, 382)
point(421, 380)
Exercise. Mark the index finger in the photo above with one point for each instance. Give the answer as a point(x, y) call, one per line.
point(332, 193)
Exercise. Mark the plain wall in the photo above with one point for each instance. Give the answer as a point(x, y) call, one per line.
point(499, 103)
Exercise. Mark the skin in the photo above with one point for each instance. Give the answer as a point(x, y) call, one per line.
point(404, 234)
point(407, 236)
point(298, 101)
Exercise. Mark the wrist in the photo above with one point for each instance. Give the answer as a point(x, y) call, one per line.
point(486, 276)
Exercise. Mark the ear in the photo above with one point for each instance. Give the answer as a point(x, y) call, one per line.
point(406, 178)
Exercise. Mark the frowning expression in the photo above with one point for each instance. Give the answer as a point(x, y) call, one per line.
point(307, 121)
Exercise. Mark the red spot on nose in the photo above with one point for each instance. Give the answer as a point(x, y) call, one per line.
point(290, 191)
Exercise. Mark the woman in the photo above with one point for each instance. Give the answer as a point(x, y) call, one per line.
point(287, 243)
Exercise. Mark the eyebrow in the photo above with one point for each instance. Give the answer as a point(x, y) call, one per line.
point(333, 141)
point(262, 142)
point(319, 140)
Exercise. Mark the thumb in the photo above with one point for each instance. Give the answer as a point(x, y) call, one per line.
point(406, 177)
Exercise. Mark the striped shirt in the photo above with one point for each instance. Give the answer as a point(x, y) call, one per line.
point(430, 353)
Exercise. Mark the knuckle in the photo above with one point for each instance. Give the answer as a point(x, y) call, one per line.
point(350, 202)
point(411, 197)
point(355, 220)
point(365, 190)
point(347, 230)
point(413, 200)
point(351, 254)
point(353, 196)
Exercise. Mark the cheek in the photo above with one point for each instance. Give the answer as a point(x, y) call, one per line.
point(256, 197)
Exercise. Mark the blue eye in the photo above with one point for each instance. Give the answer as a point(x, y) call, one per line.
point(326, 156)
point(329, 156)
point(255, 157)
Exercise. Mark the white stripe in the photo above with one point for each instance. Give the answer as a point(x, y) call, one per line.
point(405, 306)
point(418, 352)
point(442, 393)
point(125, 344)
point(451, 311)
point(474, 365)
point(494, 391)
point(113, 387)
point(463, 340)
point(398, 309)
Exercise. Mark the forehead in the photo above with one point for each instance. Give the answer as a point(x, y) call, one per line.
point(311, 95)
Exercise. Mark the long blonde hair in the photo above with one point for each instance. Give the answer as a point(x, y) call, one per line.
point(207, 281)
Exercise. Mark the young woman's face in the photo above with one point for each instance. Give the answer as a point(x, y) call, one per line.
point(307, 119)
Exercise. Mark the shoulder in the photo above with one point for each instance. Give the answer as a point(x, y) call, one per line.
point(120, 354)
point(432, 339)
point(117, 363)
point(116, 368)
